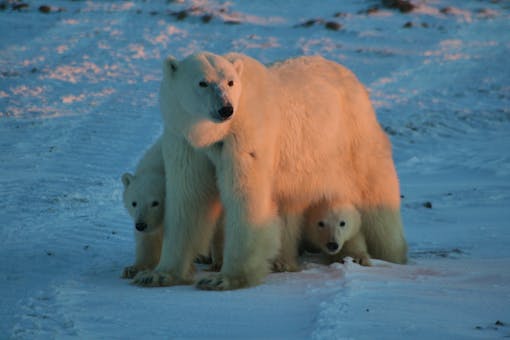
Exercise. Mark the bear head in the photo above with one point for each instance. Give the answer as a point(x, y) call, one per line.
point(199, 96)
point(329, 229)
point(144, 199)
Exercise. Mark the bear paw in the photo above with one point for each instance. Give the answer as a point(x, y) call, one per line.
point(130, 272)
point(280, 266)
point(362, 261)
point(149, 278)
point(220, 282)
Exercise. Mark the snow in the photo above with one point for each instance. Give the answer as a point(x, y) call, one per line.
point(78, 106)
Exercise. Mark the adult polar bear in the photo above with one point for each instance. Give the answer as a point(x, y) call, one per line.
point(266, 143)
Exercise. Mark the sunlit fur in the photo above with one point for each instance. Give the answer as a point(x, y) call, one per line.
point(198, 104)
point(303, 131)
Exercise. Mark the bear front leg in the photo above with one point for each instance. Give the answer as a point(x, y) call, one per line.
point(249, 252)
point(192, 209)
point(291, 235)
point(217, 246)
point(252, 225)
point(148, 250)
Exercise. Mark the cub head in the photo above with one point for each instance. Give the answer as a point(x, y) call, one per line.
point(199, 95)
point(330, 228)
point(144, 199)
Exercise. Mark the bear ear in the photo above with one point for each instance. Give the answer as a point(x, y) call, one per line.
point(127, 178)
point(238, 66)
point(170, 65)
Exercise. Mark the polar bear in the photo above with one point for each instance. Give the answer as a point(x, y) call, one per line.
point(144, 199)
point(265, 143)
point(336, 230)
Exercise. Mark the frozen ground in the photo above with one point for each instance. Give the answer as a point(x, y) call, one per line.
point(78, 106)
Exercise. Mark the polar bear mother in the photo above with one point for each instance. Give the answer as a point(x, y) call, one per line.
point(265, 143)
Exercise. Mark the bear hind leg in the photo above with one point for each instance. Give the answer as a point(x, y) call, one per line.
point(384, 235)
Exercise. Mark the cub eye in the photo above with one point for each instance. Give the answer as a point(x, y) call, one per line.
point(321, 224)
point(230, 83)
point(133, 204)
point(202, 84)
point(342, 223)
point(155, 203)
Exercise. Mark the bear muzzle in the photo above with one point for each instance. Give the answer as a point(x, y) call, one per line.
point(141, 226)
point(225, 113)
point(332, 247)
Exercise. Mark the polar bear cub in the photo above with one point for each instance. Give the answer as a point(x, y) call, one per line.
point(336, 231)
point(144, 199)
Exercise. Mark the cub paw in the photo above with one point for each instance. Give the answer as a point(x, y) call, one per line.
point(220, 282)
point(362, 261)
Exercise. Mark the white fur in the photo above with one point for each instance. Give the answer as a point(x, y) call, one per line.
point(338, 224)
point(144, 188)
point(144, 199)
point(303, 131)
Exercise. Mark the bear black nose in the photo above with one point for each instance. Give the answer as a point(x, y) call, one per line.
point(332, 246)
point(226, 112)
point(141, 226)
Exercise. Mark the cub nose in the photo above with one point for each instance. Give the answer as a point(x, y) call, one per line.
point(141, 226)
point(332, 246)
point(226, 112)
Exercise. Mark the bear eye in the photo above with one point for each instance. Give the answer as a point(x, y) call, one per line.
point(133, 204)
point(203, 83)
point(230, 83)
point(321, 224)
point(155, 203)
point(342, 223)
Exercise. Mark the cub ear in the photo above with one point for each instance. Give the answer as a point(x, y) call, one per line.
point(238, 66)
point(170, 65)
point(127, 178)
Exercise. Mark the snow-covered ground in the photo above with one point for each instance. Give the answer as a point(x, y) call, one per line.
point(78, 106)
